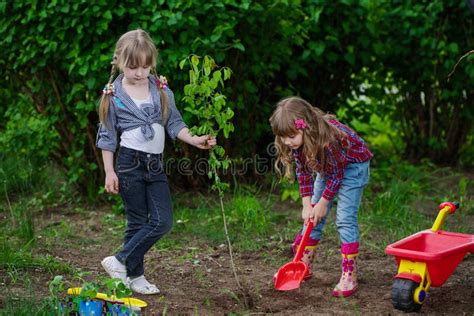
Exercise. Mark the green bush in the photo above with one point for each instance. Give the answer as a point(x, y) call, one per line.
point(56, 58)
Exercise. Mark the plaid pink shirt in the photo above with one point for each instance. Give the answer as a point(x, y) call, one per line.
point(355, 151)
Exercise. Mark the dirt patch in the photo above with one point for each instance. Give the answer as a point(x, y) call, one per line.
point(211, 291)
point(203, 283)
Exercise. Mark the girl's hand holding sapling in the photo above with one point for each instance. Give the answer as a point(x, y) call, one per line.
point(204, 142)
point(201, 142)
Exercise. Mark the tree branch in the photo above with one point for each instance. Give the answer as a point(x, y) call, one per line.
point(462, 57)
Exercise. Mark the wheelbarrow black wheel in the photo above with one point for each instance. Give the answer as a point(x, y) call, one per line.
point(402, 295)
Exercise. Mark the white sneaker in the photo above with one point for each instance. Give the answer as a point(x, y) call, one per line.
point(142, 286)
point(115, 268)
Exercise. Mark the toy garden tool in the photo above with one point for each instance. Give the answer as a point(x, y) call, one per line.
point(290, 275)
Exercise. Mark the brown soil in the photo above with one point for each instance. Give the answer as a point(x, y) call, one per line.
point(204, 283)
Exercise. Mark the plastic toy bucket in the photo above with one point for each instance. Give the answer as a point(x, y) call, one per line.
point(90, 308)
point(135, 304)
point(122, 310)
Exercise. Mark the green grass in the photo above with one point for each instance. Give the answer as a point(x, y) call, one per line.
point(21, 176)
point(27, 302)
point(15, 257)
point(28, 187)
point(402, 199)
point(247, 217)
point(25, 306)
point(389, 219)
point(17, 175)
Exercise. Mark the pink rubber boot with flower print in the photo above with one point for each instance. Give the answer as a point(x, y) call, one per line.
point(308, 254)
point(348, 283)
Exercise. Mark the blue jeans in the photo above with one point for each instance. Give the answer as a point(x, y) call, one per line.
point(144, 190)
point(356, 177)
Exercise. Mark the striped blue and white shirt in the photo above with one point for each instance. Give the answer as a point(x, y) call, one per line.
point(124, 115)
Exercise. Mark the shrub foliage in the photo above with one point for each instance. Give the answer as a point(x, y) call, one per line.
point(56, 57)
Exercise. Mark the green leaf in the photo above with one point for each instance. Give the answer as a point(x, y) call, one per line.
point(318, 48)
point(195, 60)
point(453, 48)
point(239, 46)
point(227, 73)
point(108, 15)
point(182, 63)
point(83, 70)
point(230, 113)
point(216, 75)
point(207, 70)
point(350, 57)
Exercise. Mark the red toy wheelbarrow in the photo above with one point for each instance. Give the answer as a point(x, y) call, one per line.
point(290, 275)
point(426, 259)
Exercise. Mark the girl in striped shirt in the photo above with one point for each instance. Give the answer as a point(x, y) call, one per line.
point(136, 110)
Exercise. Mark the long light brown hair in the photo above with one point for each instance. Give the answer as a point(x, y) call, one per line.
point(318, 135)
point(129, 52)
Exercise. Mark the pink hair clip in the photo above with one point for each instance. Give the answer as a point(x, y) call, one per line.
point(108, 89)
point(300, 124)
point(162, 82)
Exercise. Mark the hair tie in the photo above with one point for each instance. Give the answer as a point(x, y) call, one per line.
point(108, 89)
point(162, 82)
point(300, 124)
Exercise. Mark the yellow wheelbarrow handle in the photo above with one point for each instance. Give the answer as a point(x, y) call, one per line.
point(444, 209)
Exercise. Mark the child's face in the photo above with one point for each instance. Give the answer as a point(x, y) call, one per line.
point(294, 141)
point(137, 74)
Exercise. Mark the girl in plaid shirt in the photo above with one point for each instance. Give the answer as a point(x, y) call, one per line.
point(331, 161)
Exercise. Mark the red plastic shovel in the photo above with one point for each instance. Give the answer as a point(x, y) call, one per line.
point(290, 276)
